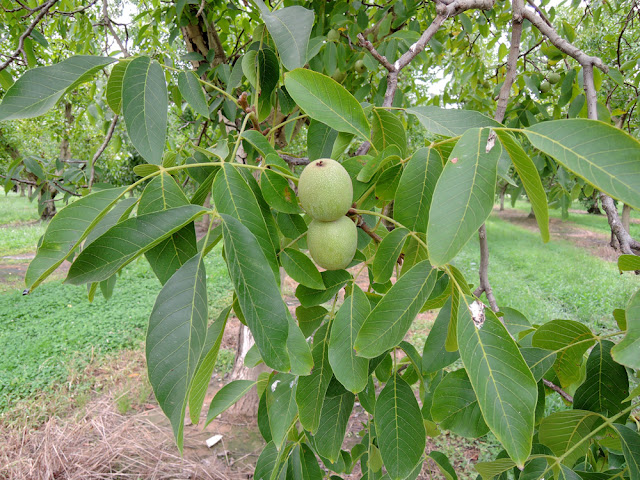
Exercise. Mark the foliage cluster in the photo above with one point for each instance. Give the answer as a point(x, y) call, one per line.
point(266, 72)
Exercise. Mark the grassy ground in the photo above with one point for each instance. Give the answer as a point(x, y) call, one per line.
point(17, 209)
point(596, 223)
point(548, 281)
point(55, 330)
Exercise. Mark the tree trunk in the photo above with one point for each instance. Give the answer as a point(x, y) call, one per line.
point(247, 406)
point(502, 193)
point(531, 214)
point(626, 217)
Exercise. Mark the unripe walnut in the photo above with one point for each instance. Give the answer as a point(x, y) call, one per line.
point(332, 245)
point(325, 190)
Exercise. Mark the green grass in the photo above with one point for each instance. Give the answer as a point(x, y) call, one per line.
point(548, 281)
point(17, 239)
point(46, 335)
point(596, 223)
point(17, 209)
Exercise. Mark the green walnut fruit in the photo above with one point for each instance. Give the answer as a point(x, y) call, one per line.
point(332, 245)
point(325, 190)
point(339, 76)
point(333, 35)
point(553, 78)
point(545, 87)
point(360, 67)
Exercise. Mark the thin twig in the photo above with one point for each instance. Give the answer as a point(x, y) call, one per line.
point(102, 148)
point(45, 8)
point(558, 390)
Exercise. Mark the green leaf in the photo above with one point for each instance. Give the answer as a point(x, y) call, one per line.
point(628, 263)
point(415, 191)
point(606, 384)
point(125, 241)
point(305, 463)
point(399, 427)
point(266, 462)
point(258, 293)
point(169, 255)
point(290, 29)
point(387, 255)
point(563, 431)
point(528, 173)
point(374, 164)
point(175, 338)
point(494, 364)
point(387, 130)
point(145, 106)
point(32, 164)
point(387, 324)
point(333, 281)
point(612, 164)
point(39, 89)
point(320, 140)
point(463, 197)
point(259, 142)
point(228, 396)
point(204, 370)
point(298, 348)
point(455, 406)
point(309, 319)
point(66, 230)
point(450, 122)
point(326, 101)
point(301, 269)
point(443, 463)
point(539, 360)
point(435, 356)
point(350, 370)
point(490, 470)
point(281, 405)
point(333, 425)
point(233, 196)
point(278, 193)
point(192, 92)
point(311, 390)
point(631, 449)
point(114, 85)
point(627, 352)
point(570, 340)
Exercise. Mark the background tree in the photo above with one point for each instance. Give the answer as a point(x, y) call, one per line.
point(290, 83)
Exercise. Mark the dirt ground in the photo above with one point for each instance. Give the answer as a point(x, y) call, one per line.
point(96, 441)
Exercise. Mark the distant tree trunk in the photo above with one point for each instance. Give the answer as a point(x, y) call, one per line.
point(531, 214)
point(594, 209)
point(22, 189)
point(503, 190)
point(626, 217)
point(247, 406)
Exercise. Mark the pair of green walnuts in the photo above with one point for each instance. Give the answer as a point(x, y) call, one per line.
point(326, 194)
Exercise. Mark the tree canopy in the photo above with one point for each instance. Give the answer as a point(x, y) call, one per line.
point(431, 108)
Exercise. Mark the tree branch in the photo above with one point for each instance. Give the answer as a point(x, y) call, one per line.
point(558, 390)
point(627, 243)
point(20, 180)
point(294, 160)
point(101, 149)
point(106, 20)
point(562, 44)
point(45, 7)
